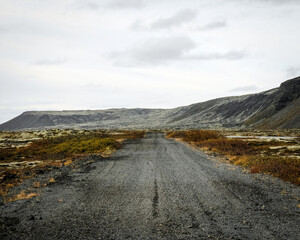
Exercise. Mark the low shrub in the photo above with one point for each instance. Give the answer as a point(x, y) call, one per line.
point(133, 134)
point(175, 134)
point(56, 151)
point(257, 156)
point(66, 146)
point(285, 168)
point(227, 146)
point(194, 135)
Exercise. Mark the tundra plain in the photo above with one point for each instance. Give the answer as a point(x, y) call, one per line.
point(147, 186)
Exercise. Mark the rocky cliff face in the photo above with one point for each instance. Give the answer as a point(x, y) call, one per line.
point(282, 110)
point(276, 108)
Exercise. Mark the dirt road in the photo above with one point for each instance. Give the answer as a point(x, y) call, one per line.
point(156, 188)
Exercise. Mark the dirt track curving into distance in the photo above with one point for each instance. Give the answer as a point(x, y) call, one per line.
point(155, 188)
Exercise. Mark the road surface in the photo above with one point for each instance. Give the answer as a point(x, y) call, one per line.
point(155, 188)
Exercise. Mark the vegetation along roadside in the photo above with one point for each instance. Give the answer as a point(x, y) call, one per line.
point(24, 155)
point(276, 156)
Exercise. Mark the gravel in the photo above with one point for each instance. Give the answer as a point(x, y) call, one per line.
point(154, 188)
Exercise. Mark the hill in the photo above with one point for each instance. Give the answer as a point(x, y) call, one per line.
point(275, 108)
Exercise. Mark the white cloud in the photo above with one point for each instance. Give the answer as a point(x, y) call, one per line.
point(214, 25)
point(85, 5)
point(123, 4)
point(155, 51)
point(50, 61)
point(181, 17)
point(52, 50)
point(274, 1)
point(107, 4)
point(293, 72)
point(230, 55)
point(249, 88)
point(158, 51)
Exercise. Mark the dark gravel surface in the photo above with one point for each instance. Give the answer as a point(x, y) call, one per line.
point(154, 188)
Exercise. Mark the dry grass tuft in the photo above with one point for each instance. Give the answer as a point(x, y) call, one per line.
point(21, 196)
point(36, 184)
point(51, 180)
point(68, 162)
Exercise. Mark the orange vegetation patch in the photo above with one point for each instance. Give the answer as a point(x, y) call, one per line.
point(51, 180)
point(120, 140)
point(227, 146)
point(18, 164)
point(256, 156)
point(194, 135)
point(68, 162)
point(36, 184)
point(20, 196)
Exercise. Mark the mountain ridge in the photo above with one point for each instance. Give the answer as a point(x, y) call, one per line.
point(275, 108)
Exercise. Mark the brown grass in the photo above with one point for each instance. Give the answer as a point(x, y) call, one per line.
point(194, 135)
point(20, 196)
point(92, 142)
point(57, 152)
point(227, 146)
point(256, 156)
point(51, 180)
point(285, 168)
point(36, 184)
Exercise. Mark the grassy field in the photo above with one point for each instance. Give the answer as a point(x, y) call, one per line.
point(23, 155)
point(276, 156)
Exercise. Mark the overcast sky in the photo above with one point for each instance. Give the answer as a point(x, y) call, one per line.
point(89, 54)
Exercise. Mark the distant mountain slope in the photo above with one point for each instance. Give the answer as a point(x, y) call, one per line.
point(276, 108)
point(283, 111)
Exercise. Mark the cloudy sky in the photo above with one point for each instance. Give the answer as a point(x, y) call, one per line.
point(98, 54)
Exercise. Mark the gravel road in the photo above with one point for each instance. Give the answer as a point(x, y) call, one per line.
point(155, 188)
